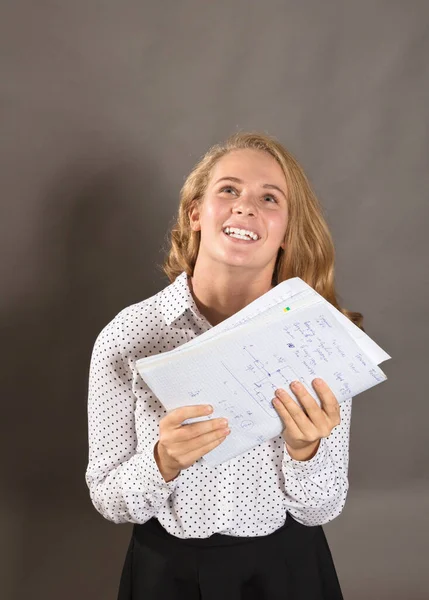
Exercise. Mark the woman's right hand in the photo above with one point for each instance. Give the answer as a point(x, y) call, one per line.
point(179, 446)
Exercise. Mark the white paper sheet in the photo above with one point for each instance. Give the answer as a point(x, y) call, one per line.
point(289, 333)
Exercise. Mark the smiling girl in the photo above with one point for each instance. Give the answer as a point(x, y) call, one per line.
point(250, 528)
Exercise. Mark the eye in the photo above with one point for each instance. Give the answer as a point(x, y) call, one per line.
point(228, 187)
point(271, 196)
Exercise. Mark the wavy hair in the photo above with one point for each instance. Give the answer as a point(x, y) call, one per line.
point(309, 250)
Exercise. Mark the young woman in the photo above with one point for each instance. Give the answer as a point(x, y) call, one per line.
point(250, 528)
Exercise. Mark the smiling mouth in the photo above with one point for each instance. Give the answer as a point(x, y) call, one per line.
point(236, 238)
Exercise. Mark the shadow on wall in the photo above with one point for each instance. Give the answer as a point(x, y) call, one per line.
point(102, 235)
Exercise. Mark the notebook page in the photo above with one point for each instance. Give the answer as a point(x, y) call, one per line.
point(291, 293)
point(238, 372)
point(297, 301)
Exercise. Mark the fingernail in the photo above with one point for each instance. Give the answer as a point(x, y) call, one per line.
point(318, 381)
point(296, 385)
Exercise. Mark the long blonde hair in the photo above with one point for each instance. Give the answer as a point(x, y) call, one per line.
point(309, 250)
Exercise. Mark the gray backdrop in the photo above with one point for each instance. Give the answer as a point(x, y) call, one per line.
point(105, 108)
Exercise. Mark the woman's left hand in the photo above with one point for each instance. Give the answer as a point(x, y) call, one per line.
point(304, 427)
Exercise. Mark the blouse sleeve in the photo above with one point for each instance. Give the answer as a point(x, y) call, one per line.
point(316, 489)
point(124, 485)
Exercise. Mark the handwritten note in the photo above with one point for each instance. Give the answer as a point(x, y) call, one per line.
point(238, 370)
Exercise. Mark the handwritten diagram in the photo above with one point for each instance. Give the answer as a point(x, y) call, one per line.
point(265, 380)
point(299, 353)
point(238, 368)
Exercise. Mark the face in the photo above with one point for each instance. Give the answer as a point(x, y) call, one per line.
point(247, 189)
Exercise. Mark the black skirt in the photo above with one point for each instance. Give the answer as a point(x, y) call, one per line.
point(293, 563)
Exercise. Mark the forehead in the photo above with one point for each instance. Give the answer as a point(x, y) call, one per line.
point(249, 165)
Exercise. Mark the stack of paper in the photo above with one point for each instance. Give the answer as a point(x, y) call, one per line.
point(290, 333)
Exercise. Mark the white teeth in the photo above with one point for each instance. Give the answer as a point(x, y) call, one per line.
point(241, 233)
point(240, 237)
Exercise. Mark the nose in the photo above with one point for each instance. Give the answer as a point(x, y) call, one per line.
point(244, 205)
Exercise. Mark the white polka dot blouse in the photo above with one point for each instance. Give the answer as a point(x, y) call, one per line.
point(248, 495)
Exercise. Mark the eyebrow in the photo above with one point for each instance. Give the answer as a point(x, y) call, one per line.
point(268, 186)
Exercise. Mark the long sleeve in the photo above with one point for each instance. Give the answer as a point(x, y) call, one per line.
point(250, 495)
point(316, 489)
point(125, 485)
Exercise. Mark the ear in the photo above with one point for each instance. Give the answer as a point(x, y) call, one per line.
point(194, 218)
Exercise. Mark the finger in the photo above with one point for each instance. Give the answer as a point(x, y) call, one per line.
point(195, 445)
point(291, 411)
point(307, 401)
point(322, 420)
point(289, 422)
point(178, 415)
point(315, 413)
point(298, 414)
point(200, 451)
point(324, 415)
point(328, 400)
point(194, 430)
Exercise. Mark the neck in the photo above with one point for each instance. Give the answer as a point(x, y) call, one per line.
point(220, 294)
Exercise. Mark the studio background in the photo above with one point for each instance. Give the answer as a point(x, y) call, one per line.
point(105, 108)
